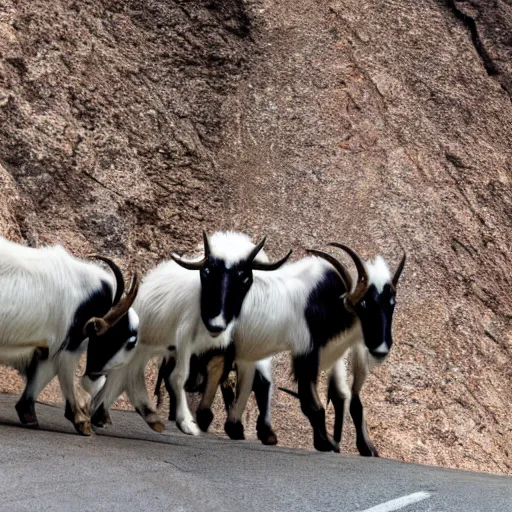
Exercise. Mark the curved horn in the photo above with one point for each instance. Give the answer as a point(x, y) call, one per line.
point(273, 265)
point(256, 250)
point(398, 271)
point(362, 274)
point(120, 285)
point(342, 271)
point(117, 311)
point(206, 243)
point(189, 265)
point(194, 265)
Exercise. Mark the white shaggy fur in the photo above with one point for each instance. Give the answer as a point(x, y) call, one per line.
point(233, 247)
point(378, 272)
point(40, 292)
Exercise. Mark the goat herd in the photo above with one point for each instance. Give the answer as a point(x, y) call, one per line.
point(203, 317)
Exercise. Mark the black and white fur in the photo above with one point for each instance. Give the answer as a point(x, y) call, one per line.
point(185, 312)
point(301, 308)
point(47, 296)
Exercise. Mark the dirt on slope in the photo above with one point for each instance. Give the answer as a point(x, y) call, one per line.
point(127, 127)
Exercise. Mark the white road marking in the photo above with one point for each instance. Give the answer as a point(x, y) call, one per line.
point(398, 503)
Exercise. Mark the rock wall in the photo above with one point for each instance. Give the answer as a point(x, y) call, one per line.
point(127, 127)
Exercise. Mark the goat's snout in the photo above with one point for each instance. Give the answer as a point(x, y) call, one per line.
point(215, 330)
point(216, 326)
point(381, 351)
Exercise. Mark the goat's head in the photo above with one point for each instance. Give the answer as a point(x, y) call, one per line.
point(372, 299)
point(112, 337)
point(226, 276)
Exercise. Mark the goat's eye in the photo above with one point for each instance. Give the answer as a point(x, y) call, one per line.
point(205, 271)
point(363, 304)
point(130, 344)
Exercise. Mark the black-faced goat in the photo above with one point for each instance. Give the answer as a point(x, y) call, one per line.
point(185, 308)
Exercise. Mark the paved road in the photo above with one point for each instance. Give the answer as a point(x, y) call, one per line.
point(129, 467)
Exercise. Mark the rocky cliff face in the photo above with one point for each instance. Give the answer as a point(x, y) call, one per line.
point(127, 127)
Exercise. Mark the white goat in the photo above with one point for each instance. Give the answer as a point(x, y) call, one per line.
point(51, 305)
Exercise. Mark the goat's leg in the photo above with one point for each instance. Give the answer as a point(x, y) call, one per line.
point(161, 377)
point(306, 373)
point(228, 394)
point(339, 394)
point(360, 370)
point(67, 362)
point(214, 372)
point(184, 419)
point(39, 373)
point(245, 378)
point(166, 370)
point(228, 384)
point(111, 389)
point(138, 395)
point(164, 374)
point(262, 387)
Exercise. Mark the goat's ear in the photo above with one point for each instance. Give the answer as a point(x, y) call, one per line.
point(95, 326)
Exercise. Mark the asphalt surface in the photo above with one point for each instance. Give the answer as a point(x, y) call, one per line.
point(129, 467)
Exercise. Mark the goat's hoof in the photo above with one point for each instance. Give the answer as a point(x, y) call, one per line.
point(326, 444)
point(204, 418)
point(266, 435)
point(367, 450)
point(157, 426)
point(235, 430)
point(83, 428)
point(153, 420)
point(101, 417)
point(27, 413)
point(188, 427)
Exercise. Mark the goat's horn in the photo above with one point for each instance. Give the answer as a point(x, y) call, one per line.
point(189, 265)
point(362, 274)
point(121, 308)
point(206, 243)
point(398, 271)
point(342, 271)
point(120, 284)
point(256, 250)
point(194, 265)
point(273, 265)
point(117, 311)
